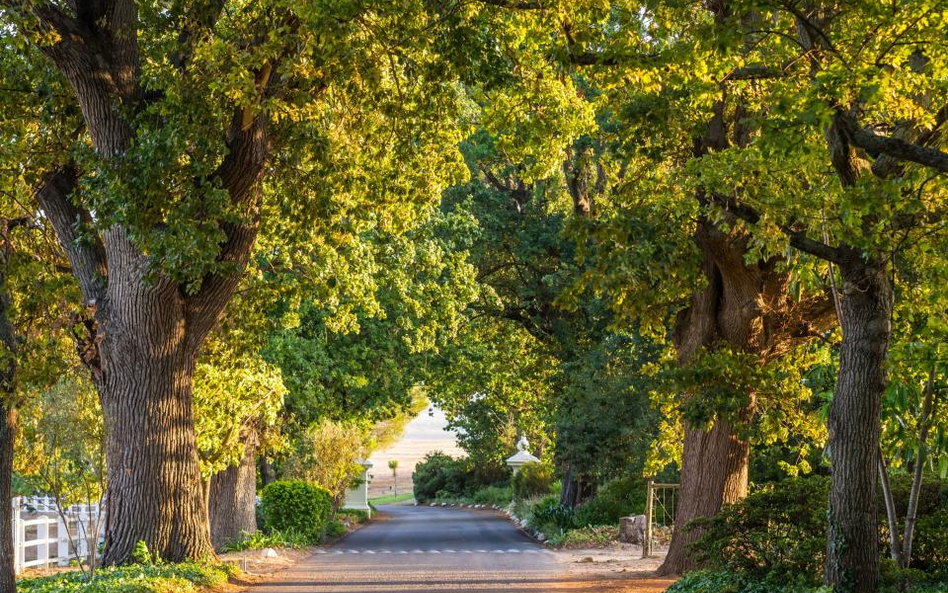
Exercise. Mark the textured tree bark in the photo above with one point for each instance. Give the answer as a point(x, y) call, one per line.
point(714, 473)
point(233, 498)
point(154, 492)
point(8, 420)
point(852, 559)
point(748, 307)
point(7, 435)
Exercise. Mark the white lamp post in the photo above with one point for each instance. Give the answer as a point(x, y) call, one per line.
point(521, 457)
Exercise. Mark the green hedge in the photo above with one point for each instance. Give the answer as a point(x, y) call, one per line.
point(533, 479)
point(298, 507)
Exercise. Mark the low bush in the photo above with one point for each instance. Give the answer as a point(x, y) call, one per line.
point(335, 529)
point(187, 577)
point(930, 546)
point(441, 476)
point(261, 540)
point(587, 537)
point(722, 581)
point(353, 516)
point(533, 479)
point(614, 499)
point(296, 506)
point(775, 535)
point(493, 495)
point(550, 517)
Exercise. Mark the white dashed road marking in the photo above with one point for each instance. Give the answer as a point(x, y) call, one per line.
point(444, 551)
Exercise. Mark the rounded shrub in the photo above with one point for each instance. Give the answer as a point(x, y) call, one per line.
point(551, 517)
point(441, 476)
point(615, 499)
point(533, 479)
point(296, 506)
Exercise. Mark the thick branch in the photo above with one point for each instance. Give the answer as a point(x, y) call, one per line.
point(85, 251)
point(757, 72)
point(798, 239)
point(516, 4)
point(893, 147)
point(239, 174)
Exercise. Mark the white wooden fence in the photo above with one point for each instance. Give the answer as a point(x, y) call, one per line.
point(42, 539)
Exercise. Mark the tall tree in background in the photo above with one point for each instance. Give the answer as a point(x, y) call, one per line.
point(186, 110)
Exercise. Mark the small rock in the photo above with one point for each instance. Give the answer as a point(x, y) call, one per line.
point(632, 529)
point(541, 537)
point(587, 560)
point(444, 504)
point(269, 553)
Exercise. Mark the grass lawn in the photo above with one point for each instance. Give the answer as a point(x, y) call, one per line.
point(391, 498)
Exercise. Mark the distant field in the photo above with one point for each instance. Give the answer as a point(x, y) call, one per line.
point(422, 435)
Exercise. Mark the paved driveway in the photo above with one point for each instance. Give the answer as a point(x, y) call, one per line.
point(426, 549)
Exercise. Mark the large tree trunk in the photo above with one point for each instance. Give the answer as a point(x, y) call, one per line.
point(145, 329)
point(852, 559)
point(7, 435)
point(144, 379)
point(8, 421)
point(748, 307)
point(714, 473)
point(232, 499)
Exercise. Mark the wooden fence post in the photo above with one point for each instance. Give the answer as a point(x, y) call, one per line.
point(649, 508)
point(17, 536)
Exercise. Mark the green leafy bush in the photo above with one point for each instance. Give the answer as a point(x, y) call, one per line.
point(493, 495)
point(296, 506)
point(261, 540)
point(187, 577)
point(775, 535)
point(441, 476)
point(550, 517)
point(353, 516)
point(706, 581)
point(722, 581)
point(930, 549)
point(774, 540)
point(533, 479)
point(614, 499)
point(335, 529)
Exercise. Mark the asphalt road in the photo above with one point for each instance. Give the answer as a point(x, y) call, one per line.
point(426, 549)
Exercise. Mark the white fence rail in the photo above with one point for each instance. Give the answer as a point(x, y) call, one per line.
point(42, 539)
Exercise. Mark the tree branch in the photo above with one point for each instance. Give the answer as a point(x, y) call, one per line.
point(798, 238)
point(239, 173)
point(893, 147)
point(758, 72)
point(516, 4)
point(85, 251)
point(197, 25)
